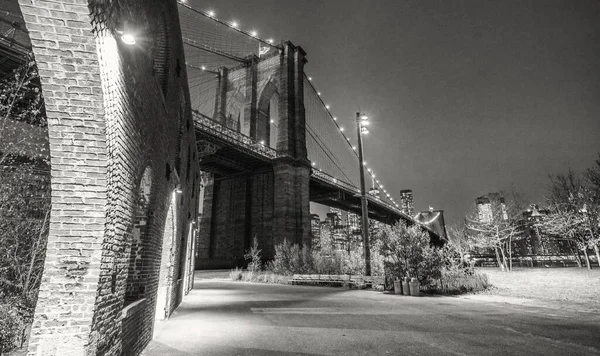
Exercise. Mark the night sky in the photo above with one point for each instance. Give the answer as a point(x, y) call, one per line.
point(465, 97)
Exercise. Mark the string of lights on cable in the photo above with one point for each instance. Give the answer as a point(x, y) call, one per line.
point(214, 50)
point(347, 139)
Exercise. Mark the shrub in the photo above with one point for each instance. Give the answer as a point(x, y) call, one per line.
point(327, 262)
point(456, 280)
point(293, 259)
point(253, 255)
point(407, 252)
point(353, 262)
point(290, 259)
point(257, 276)
point(236, 274)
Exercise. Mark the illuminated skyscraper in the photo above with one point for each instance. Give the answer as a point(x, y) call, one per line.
point(406, 202)
point(488, 205)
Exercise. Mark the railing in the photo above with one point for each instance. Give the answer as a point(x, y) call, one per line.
point(331, 180)
point(351, 188)
point(232, 136)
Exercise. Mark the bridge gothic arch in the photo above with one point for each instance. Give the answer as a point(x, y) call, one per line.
point(268, 115)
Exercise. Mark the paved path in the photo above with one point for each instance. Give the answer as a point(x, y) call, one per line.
point(220, 317)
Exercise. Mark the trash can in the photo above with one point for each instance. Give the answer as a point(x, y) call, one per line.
point(405, 287)
point(397, 286)
point(414, 287)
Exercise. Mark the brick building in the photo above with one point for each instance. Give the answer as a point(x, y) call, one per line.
point(125, 181)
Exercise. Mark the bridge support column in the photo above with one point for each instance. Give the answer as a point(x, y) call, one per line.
point(291, 213)
point(292, 169)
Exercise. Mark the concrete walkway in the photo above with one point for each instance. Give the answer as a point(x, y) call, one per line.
point(220, 317)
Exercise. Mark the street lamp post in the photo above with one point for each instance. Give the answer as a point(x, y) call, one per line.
point(361, 122)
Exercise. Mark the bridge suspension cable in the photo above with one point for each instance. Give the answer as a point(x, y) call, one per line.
point(329, 147)
point(211, 44)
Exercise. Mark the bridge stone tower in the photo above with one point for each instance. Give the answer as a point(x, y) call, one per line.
point(246, 199)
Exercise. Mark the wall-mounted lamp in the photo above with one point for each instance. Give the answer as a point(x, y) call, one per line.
point(178, 190)
point(127, 32)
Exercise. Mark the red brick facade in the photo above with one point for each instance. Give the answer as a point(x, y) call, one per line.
point(114, 112)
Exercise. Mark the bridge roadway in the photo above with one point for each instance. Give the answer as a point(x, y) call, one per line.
point(221, 317)
point(234, 153)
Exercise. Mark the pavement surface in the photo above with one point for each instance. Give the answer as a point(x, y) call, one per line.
point(220, 317)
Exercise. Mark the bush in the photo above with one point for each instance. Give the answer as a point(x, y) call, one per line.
point(407, 252)
point(457, 280)
point(327, 262)
point(253, 255)
point(353, 263)
point(291, 259)
point(257, 276)
point(236, 274)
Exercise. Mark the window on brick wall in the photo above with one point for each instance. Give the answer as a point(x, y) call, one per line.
point(136, 281)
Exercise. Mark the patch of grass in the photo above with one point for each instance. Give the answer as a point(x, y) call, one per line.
point(570, 285)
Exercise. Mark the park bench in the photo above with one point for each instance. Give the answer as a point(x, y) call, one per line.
point(341, 279)
point(489, 264)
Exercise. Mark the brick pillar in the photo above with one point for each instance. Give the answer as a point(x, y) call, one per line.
point(221, 97)
point(251, 105)
point(65, 50)
point(292, 168)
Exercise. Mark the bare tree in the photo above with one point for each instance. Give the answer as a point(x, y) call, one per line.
point(20, 100)
point(24, 193)
point(497, 224)
point(593, 213)
point(459, 239)
point(566, 224)
point(574, 204)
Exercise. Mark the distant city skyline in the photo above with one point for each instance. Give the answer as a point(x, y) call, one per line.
point(465, 98)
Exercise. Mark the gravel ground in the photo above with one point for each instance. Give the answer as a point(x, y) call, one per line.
point(570, 287)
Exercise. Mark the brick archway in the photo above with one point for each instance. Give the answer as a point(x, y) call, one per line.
point(109, 116)
point(74, 100)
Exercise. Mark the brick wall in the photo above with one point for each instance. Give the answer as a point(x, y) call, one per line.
point(111, 115)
